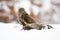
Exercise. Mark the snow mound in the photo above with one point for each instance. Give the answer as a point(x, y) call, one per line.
point(11, 31)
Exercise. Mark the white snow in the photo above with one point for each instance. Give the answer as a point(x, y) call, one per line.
point(11, 31)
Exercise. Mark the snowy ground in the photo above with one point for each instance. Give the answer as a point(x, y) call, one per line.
point(11, 31)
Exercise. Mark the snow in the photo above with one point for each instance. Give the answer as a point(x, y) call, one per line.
point(11, 31)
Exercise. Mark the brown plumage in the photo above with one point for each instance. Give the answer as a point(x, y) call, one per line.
point(27, 21)
point(24, 17)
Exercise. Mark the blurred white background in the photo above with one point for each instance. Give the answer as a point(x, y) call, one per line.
point(43, 11)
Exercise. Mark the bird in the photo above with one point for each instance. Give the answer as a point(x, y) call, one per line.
point(27, 21)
